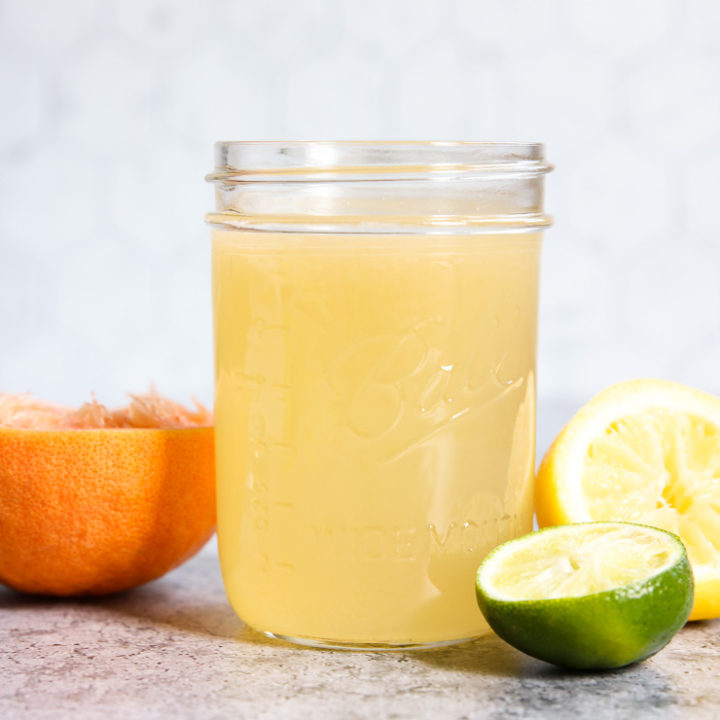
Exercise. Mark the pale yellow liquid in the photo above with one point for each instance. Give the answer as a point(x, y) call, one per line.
point(374, 425)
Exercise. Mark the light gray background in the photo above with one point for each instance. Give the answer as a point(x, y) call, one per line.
point(108, 111)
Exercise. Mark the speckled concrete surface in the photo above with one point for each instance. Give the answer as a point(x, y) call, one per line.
point(174, 649)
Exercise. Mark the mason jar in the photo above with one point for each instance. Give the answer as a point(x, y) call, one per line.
point(375, 310)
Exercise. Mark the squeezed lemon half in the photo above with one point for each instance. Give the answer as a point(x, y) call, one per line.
point(645, 451)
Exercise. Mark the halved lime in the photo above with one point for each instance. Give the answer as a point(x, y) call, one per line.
point(588, 595)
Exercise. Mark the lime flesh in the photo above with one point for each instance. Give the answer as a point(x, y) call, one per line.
point(588, 595)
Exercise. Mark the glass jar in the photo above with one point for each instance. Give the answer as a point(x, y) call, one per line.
point(375, 312)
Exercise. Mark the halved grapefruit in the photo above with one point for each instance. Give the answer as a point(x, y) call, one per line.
point(96, 501)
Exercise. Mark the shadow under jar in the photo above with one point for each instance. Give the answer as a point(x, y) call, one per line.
point(375, 314)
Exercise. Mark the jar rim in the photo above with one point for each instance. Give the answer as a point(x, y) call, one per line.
point(257, 160)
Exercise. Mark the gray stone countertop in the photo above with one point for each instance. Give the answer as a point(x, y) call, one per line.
point(175, 649)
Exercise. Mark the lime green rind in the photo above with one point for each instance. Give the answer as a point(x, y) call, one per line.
point(603, 630)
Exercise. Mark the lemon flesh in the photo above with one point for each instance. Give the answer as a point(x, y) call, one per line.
point(645, 451)
point(589, 595)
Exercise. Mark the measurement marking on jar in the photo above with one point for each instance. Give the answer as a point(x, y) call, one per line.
point(258, 382)
point(268, 447)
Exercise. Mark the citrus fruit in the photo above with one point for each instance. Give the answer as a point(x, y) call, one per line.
point(96, 501)
point(589, 595)
point(645, 451)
